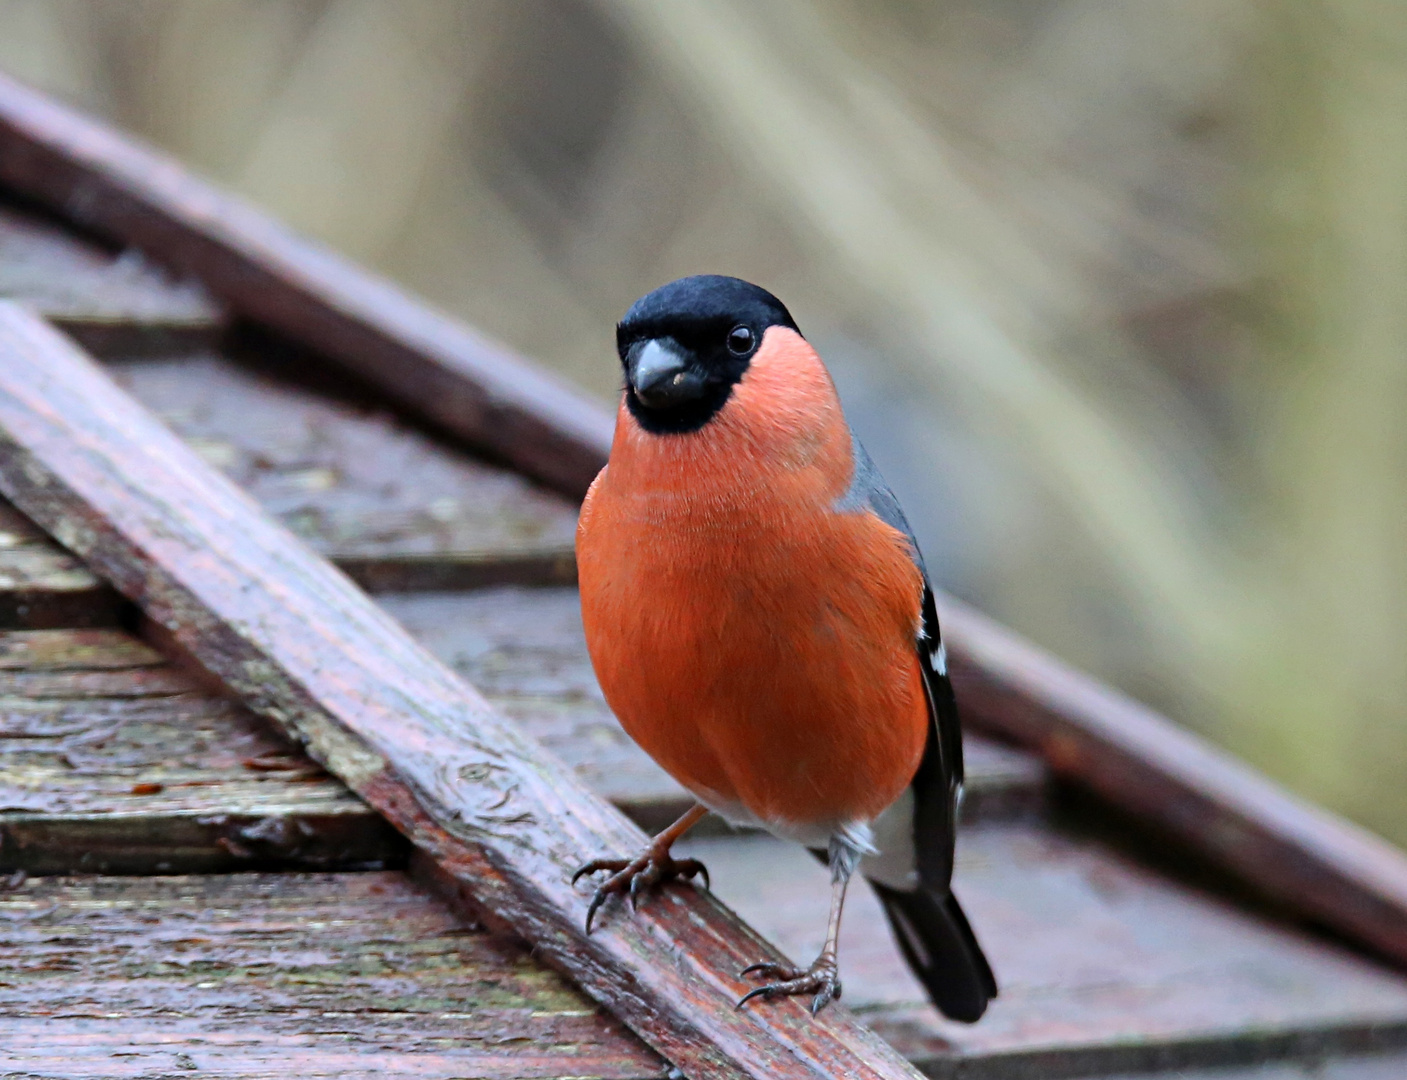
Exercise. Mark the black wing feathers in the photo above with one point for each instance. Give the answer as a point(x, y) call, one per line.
point(928, 923)
point(939, 775)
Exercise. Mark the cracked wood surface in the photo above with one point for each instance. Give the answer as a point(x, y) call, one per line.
point(309, 975)
point(1104, 964)
point(465, 384)
point(299, 643)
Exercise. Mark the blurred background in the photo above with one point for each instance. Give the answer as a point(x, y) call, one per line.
point(1115, 290)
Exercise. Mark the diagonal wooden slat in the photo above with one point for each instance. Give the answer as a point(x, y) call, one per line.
point(465, 383)
point(505, 822)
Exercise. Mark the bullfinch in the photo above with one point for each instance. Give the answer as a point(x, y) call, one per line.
point(761, 622)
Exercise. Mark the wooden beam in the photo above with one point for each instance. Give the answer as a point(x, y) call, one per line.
point(1303, 857)
point(463, 382)
point(298, 642)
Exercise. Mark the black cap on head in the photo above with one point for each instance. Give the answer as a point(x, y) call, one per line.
point(685, 346)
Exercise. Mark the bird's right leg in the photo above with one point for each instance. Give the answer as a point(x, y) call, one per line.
point(650, 867)
point(822, 978)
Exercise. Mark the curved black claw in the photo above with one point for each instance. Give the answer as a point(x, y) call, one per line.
point(636, 875)
point(822, 979)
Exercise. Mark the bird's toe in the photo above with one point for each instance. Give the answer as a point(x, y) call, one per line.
point(634, 877)
point(821, 979)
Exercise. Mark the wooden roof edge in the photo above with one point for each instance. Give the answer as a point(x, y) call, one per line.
point(108, 182)
point(303, 646)
point(1306, 858)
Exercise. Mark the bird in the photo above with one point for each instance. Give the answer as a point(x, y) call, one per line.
point(760, 621)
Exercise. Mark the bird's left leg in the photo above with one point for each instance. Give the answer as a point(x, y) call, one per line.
point(822, 978)
point(653, 865)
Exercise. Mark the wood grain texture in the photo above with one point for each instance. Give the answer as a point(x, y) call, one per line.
point(462, 382)
point(41, 585)
point(260, 975)
point(388, 503)
point(114, 761)
point(1104, 965)
point(525, 650)
point(1301, 856)
point(110, 302)
point(301, 644)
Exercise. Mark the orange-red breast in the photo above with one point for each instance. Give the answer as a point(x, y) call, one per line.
point(761, 622)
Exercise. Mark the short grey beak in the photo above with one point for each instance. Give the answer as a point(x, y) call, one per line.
point(661, 377)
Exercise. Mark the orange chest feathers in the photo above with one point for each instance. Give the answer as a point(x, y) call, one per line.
point(755, 641)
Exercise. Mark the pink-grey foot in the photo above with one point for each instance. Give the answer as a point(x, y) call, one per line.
point(821, 979)
point(651, 867)
point(634, 876)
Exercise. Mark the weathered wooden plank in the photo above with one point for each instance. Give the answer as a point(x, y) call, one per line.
point(465, 384)
point(1104, 965)
point(74, 650)
point(301, 644)
point(259, 975)
point(109, 301)
point(113, 761)
point(1305, 858)
point(431, 573)
point(393, 506)
point(525, 650)
point(41, 585)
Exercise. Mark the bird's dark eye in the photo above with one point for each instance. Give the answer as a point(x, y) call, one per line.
point(739, 340)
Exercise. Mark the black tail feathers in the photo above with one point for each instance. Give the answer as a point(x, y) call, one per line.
point(937, 941)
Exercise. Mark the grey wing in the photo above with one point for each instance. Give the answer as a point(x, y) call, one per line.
point(938, 782)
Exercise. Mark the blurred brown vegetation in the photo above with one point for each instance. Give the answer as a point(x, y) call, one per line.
point(1113, 289)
